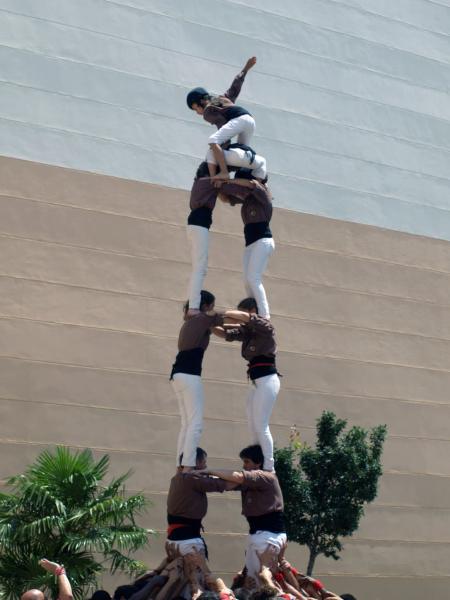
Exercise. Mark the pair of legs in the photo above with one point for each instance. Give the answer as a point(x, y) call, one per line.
point(257, 543)
point(198, 238)
point(189, 392)
point(243, 127)
point(260, 402)
point(236, 157)
point(256, 257)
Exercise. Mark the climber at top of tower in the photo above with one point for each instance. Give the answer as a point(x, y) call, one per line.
point(231, 120)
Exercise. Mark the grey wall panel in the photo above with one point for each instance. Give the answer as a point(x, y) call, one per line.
point(386, 22)
point(182, 39)
point(296, 35)
point(351, 105)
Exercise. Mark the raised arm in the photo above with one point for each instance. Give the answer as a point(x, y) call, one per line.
point(235, 88)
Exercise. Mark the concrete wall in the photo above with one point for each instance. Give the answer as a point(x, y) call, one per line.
point(350, 97)
point(92, 278)
point(351, 102)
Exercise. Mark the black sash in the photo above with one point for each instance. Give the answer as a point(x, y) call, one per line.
point(201, 216)
point(233, 112)
point(260, 366)
point(256, 231)
point(273, 522)
point(188, 361)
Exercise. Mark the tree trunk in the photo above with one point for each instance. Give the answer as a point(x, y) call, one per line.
point(311, 561)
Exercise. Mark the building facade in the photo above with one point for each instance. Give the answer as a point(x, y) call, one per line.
point(98, 152)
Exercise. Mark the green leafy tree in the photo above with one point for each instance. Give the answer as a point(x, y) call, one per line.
point(325, 488)
point(60, 510)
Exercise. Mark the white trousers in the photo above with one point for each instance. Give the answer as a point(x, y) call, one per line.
point(256, 257)
point(260, 402)
point(243, 127)
point(257, 543)
point(198, 238)
point(186, 546)
point(236, 157)
point(189, 392)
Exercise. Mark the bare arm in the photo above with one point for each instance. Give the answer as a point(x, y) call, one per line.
point(228, 475)
point(237, 315)
point(248, 183)
point(266, 577)
point(219, 331)
point(64, 587)
point(235, 88)
point(157, 581)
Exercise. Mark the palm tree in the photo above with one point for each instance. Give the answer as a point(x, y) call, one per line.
point(59, 509)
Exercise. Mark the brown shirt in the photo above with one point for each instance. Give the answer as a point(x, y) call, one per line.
point(256, 202)
point(203, 193)
point(215, 114)
point(187, 495)
point(261, 493)
point(257, 337)
point(195, 331)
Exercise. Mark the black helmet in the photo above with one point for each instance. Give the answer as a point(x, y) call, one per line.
point(202, 170)
point(195, 96)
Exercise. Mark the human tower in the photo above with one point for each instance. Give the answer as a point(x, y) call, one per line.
point(262, 501)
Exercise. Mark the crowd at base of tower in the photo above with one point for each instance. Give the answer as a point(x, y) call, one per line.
point(185, 571)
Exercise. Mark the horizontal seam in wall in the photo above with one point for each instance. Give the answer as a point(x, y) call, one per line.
point(309, 26)
point(293, 283)
point(304, 84)
point(301, 147)
point(180, 301)
point(306, 116)
point(153, 258)
point(242, 421)
point(182, 226)
point(329, 29)
point(385, 17)
point(165, 374)
point(360, 10)
point(232, 460)
point(151, 150)
point(327, 59)
point(225, 345)
point(317, 323)
point(356, 397)
point(415, 143)
point(374, 505)
point(346, 540)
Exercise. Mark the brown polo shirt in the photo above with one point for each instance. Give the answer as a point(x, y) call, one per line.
point(261, 493)
point(195, 331)
point(187, 495)
point(256, 202)
point(257, 337)
point(203, 193)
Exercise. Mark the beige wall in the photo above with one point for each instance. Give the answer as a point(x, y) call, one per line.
point(93, 270)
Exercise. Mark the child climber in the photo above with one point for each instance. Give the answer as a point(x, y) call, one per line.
point(231, 121)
